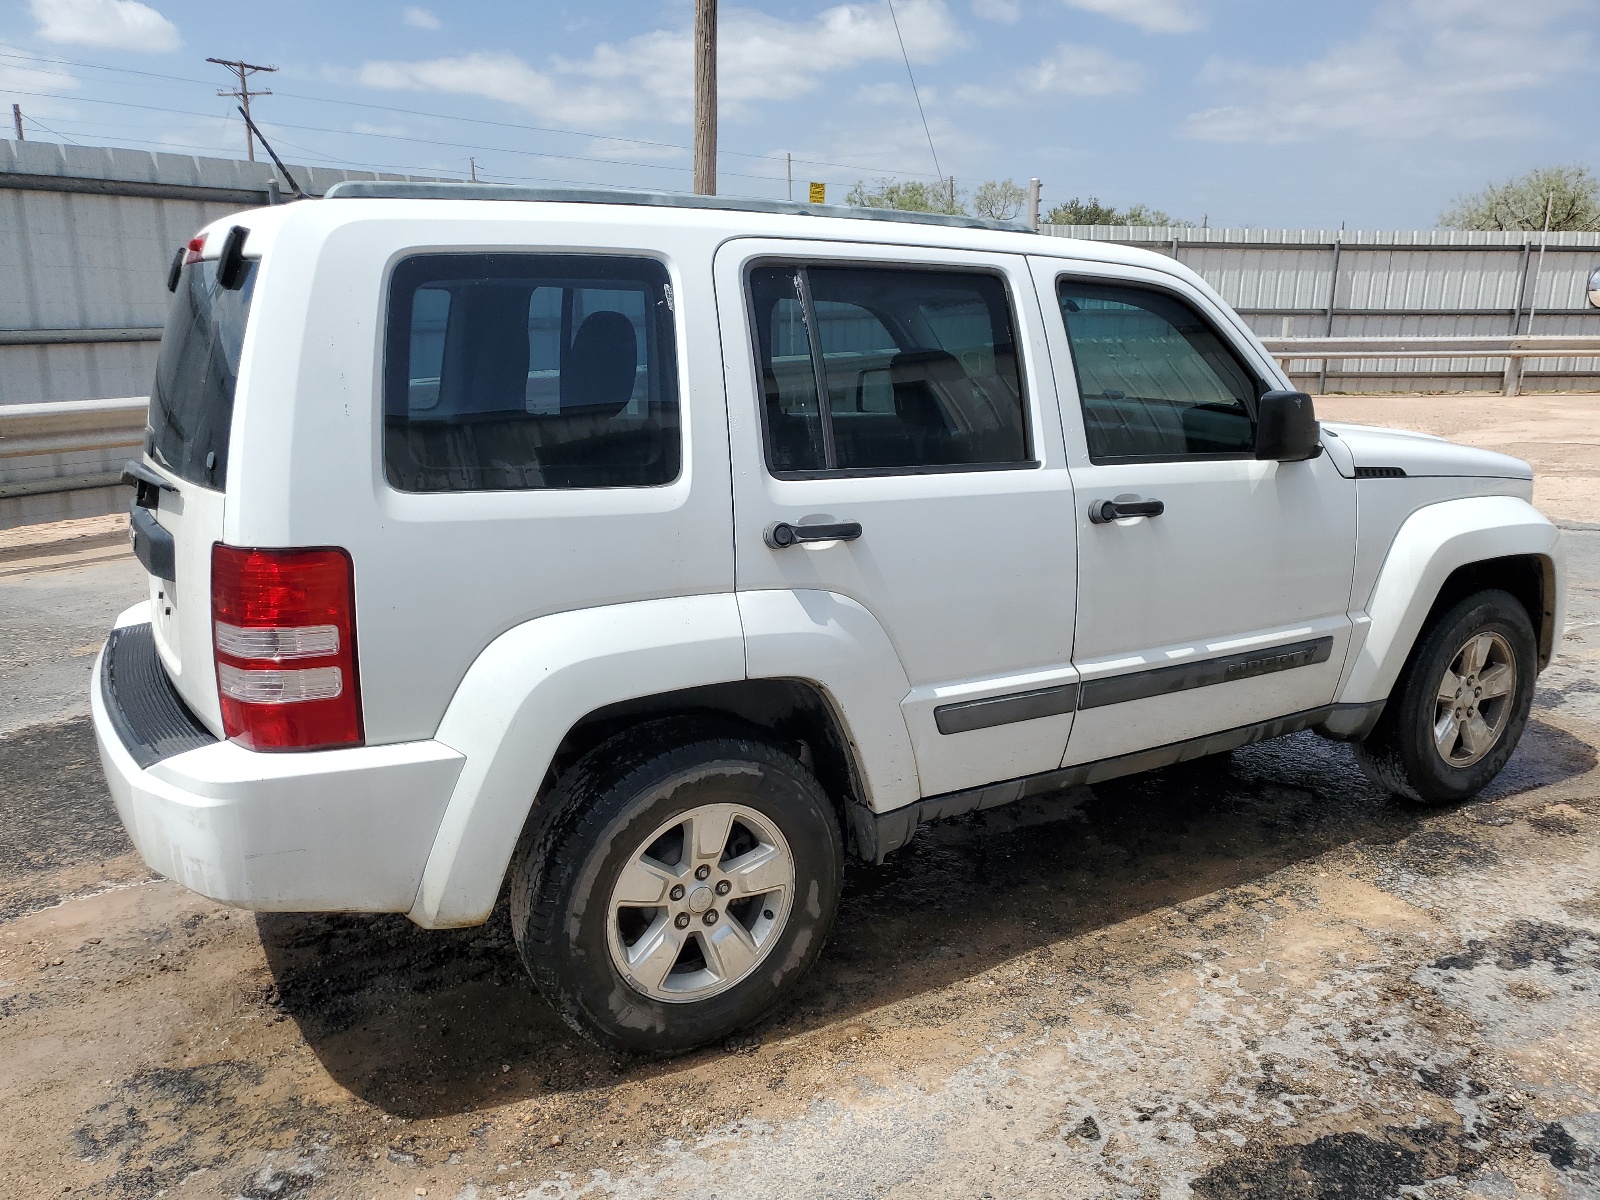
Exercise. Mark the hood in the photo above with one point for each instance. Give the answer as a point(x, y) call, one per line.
point(1421, 454)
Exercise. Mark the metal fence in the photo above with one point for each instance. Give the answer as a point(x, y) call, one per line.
point(1299, 283)
point(86, 234)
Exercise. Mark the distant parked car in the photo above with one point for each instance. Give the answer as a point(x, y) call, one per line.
point(646, 556)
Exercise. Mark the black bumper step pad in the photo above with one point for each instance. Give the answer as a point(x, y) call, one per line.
point(149, 715)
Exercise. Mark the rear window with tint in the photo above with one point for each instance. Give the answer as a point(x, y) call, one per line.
point(191, 401)
point(515, 371)
point(917, 369)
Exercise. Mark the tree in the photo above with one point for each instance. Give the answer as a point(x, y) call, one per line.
point(1092, 212)
point(909, 196)
point(999, 200)
point(1572, 194)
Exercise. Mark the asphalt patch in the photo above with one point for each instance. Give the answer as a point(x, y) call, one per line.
point(1337, 1166)
point(55, 813)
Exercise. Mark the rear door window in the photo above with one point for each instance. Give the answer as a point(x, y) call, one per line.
point(885, 370)
point(524, 371)
point(191, 400)
point(1156, 381)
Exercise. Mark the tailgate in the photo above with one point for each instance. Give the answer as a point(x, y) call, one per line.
point(182, 479)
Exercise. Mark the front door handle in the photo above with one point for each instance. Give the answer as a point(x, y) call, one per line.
point(780, 533)
point(1102, 512)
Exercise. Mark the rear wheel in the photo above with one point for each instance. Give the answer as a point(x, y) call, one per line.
point(681, 881)
point(1459, 709)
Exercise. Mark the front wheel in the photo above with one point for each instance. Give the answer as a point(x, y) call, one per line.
point(1459, 709)
point(679, 884)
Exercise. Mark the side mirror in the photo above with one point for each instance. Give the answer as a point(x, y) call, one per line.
point(1286, 428)
point(1594, 288)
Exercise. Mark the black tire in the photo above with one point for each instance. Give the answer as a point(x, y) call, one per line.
point(592, 825)
point(1400, 755)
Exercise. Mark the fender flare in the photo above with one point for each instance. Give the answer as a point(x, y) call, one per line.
point(1435, 541)
point(518, 700)
point(835, 642)
point(533, 683)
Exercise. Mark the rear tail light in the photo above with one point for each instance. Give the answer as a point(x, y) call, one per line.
point(283, 627)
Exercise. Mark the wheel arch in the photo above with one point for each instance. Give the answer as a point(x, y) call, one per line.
point(796, 715)
point(1531, 578)
point(1442, 553)
point(827, 683)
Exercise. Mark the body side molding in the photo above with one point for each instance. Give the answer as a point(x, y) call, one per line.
point(877, 834)
point(1181, 677)
point(967, 715)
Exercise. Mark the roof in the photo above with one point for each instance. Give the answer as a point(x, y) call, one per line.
point(386, 190)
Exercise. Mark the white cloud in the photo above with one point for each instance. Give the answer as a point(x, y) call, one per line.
point(1152, 16)
point(883, 93)
point(652, 75)
point(123, 24)
point(1425, 69)
point(25, 76)
point(1004, 11)
point(35, 76)
point(420, 18)
point(1069, 70)
point(1083, 71)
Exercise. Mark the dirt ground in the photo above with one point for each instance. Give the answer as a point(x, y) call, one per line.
point(1246, 976)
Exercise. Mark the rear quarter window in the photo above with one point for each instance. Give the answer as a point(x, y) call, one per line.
point(527, 371)
point(191, 401)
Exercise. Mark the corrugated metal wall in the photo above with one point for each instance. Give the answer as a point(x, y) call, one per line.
point(86, 235)
point(85, 238)
point(1319, 283)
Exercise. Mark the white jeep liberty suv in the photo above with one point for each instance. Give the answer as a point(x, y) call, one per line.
point(643, 556)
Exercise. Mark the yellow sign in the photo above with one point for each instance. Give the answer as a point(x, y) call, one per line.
point(819, 193)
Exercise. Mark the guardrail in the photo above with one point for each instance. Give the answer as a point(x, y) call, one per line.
point(78, 337)
point(1515, 350)
point(73, 429)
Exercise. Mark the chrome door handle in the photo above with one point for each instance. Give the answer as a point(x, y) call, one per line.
point(780, 533)
point(1102, 512)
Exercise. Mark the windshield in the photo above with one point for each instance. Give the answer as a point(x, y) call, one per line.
point(191, 403)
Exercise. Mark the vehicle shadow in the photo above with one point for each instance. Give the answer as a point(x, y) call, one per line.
point(428, 1023)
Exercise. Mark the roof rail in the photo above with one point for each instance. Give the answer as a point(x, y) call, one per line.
point(380, 189)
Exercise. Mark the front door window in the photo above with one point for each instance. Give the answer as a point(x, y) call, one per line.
point(1155, 380)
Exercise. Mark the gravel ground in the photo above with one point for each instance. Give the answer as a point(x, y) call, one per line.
point(1246, 976)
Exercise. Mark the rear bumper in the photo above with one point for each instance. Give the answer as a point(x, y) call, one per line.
point(321, 831)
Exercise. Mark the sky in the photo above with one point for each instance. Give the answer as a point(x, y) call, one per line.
point(1373, 114)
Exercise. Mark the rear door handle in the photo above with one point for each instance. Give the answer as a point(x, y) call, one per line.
point(780, 533)
point(1103, 511)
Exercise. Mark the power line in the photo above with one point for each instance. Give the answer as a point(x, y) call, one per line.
point(914, 93)
point(397, 137)
point(439, 116)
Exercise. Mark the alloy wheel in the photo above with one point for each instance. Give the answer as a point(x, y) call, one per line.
point(1473, 700)
point(700, 902)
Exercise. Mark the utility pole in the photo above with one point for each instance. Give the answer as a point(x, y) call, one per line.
point(474, 164)
point(244, 70)
point(788, 161)
point(16, 119)
point(1033, 205)
point(705, 97)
